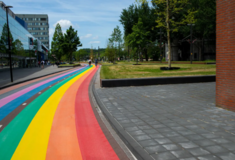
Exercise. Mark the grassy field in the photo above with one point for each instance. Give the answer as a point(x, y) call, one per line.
point(127, 70)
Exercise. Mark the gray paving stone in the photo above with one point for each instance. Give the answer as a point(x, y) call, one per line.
point(227, 156)
point(155, 149)
point(182, 154)
point(208, 157)
point(216, 149)
point(163, 140)
point(147, 143)
point(198, 152)
point(164, 156)
point(205, 142)
point(156, 135)
point(210, 135)
point(131, 128)
point(141, 137)
point(220, 140)
point(150, 131)
point(145, 127)
point(136, 133)
point(178, 139)
point(194, 137)
point(192, 158)
point(172, 147)
point(229, 146)
point(188, 145)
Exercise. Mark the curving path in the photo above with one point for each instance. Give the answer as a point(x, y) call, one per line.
point(52, 119)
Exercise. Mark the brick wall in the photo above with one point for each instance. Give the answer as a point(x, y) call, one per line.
point(225, 54)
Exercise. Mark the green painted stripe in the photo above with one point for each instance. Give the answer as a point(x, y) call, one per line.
point(13, 132)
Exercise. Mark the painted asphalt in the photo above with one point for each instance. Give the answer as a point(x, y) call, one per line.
point(52, 119)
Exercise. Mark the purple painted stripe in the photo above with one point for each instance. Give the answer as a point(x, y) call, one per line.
point(20, 93)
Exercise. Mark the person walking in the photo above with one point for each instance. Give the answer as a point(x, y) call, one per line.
point(42, 63)
point(89, 61)
point(96, 62)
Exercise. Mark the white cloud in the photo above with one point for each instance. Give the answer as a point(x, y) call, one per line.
point(64, 23)
point(94, 42)
point(96, 37)
point(86, 36)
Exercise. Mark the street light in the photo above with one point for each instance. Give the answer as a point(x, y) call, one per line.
point(191, 42)
point(9, 48)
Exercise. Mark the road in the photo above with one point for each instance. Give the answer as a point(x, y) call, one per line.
point(52, 119)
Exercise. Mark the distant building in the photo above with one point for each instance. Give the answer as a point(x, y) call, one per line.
point(25, 48)
point(38, 26)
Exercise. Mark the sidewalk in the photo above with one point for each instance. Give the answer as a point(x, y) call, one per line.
point(23, 74)
point(168, 122)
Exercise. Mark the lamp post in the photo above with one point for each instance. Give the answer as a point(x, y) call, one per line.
point(9, 47)
point(191, 42)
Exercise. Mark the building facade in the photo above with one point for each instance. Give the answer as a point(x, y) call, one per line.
point(38, 26)
point(225, 54)
point(24, 52)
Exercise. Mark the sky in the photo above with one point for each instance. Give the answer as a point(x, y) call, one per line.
point(93, 19)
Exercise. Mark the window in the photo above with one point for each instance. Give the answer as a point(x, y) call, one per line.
point(29, 29)
point(43, 19)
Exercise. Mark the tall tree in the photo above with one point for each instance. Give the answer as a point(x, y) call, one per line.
point(69, 42)
point(116, 37)
point(171, 18)
point(56, 48)
point(4, 39)
point(138, 38)
point(129, 17)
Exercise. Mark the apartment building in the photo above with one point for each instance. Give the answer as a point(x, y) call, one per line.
point(38, 26)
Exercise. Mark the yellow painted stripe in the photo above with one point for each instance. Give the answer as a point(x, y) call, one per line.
point(33, 144)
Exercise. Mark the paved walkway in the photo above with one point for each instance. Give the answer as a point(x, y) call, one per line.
point(22, 74)
point(169, 122)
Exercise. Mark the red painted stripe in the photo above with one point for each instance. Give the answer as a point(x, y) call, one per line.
point(92, 141)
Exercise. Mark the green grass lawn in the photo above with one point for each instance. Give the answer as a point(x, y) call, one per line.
point(127, 70)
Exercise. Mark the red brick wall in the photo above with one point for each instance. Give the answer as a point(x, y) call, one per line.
point(225, 54)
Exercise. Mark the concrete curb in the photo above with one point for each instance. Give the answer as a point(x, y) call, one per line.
point(9, 85)
point(155, 81)
point(133, 146)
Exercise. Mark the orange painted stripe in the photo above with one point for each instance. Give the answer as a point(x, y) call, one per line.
point(63, 143)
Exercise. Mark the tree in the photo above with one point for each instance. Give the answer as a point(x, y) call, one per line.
point(4, 39)
point(56, 48)
point(138, 38)
point(69, 42)
point(170, 17)
point(91, 54)
point(18, 48)
point(116, 37)
point(110, 53)
point(129, 17)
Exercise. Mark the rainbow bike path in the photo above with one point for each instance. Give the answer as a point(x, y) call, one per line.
point(53, 119)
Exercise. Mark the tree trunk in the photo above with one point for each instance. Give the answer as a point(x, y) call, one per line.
point(168, 34)
point(146, 55)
